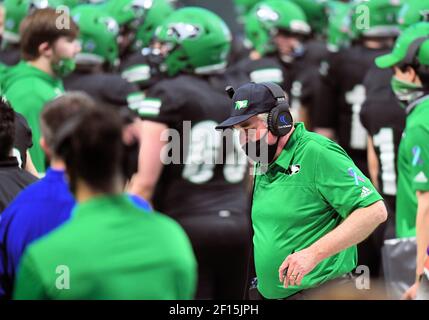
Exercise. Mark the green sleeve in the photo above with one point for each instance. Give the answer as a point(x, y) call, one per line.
point(417, 149)
point(341, 183)
point(28, 284)
point(30, 105)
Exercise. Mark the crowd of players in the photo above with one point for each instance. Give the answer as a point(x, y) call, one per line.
point(168, 63)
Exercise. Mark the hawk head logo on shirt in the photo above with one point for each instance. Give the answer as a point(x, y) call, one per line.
point(294, 169)
point(265, 13)
point(241, 104)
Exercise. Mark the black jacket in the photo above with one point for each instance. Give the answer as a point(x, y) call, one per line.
point(12, 180)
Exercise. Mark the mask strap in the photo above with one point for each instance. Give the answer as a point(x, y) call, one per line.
point(414, 104)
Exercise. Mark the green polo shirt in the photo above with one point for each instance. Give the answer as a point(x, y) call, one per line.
point(110, 249)
point(306, 193)
point(413, 168)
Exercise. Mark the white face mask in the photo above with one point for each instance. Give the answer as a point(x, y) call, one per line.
point(405, 91)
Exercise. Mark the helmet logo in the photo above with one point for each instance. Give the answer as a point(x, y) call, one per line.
point(111, 25)
point(39, 4)
point(265, 13)
point(146, 4)
point(183, 31)
point(139, 7)
point(300, 26)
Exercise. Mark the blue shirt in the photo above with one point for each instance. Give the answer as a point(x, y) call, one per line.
point(37, 210)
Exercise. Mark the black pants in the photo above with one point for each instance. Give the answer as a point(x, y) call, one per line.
point(390, 230)
point(369, 251)
point(222, 247)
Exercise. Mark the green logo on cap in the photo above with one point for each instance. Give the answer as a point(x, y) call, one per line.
point(241, 104)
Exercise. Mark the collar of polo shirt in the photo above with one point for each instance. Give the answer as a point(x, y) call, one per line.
point(288, 151)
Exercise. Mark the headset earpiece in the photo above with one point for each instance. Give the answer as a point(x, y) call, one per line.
point(280, 121)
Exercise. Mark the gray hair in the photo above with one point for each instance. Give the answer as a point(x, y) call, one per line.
point(263, 117)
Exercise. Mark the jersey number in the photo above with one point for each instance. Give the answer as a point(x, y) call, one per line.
point(356, 98)
point(295, 105)
point(205, 152)
point(384, 141)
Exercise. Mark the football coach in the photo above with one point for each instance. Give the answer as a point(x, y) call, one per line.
point(311, 204)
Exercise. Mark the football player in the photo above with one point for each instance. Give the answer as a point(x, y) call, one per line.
point(186, 167)
point(410, 83)
point(384, 120)
point(95, 75)
point(342, 93)
point(142, 67)
point(277, 32)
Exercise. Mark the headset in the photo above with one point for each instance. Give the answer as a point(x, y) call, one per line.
point(280, 121)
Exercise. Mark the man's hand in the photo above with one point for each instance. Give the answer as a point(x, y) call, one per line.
point(411, 293)
point(296, 266)
point(132, 132)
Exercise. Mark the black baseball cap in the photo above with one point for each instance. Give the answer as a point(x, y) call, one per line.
point(249, 100)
